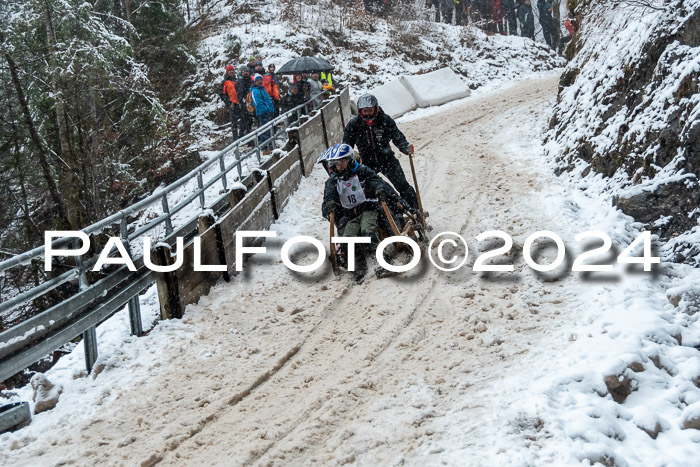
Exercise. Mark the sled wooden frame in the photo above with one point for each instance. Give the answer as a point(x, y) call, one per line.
point(423, 214)
point(412, 229)
point(331, 246)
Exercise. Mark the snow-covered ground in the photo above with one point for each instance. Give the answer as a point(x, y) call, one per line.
point(431, 368)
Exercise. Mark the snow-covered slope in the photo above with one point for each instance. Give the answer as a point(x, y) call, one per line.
point(629, 109)
point(367, 51)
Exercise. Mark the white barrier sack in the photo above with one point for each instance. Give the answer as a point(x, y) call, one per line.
point(394, 99)
point(436, 87)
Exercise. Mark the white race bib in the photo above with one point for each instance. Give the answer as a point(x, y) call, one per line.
point(351, 192)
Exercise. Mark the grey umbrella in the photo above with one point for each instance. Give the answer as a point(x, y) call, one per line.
point(305, 64)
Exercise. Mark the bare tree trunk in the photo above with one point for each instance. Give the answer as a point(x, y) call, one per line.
point(70, 183)
point(41, 149)
point(93, 149)
point(126, 4)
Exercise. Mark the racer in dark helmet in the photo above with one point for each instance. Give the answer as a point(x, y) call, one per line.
point(373, 131)
point(367, 107)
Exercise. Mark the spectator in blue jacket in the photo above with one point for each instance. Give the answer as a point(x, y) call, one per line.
point(264, 109)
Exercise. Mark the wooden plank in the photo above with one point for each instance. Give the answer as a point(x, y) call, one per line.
point(281, 166)
point(232, 221)
point(286, 184)
point(261, 219)
point(193, 284)
point(345, 106)
point(333, 122)
point(312, 142)
point(271, 161)
point(166, 284)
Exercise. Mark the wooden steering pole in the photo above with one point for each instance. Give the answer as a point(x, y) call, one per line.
point(334, 256)
point(415, 184)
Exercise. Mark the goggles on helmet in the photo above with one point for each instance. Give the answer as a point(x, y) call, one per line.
point(368, 112)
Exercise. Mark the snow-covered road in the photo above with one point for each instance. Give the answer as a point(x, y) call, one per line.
point(278, 368)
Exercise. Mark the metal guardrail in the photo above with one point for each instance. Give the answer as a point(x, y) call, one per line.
point(14, 415)
point(33, 339)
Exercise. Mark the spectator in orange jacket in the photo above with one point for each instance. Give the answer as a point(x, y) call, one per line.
point(230, 98)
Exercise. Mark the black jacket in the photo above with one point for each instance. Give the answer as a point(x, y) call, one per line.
point(292, 100)
point(371, 184)
point(527, 20)
point(243, 86)
point(373, 140)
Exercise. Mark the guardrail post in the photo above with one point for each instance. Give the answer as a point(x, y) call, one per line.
point(166, 211)
point(168, 294)
point(205, 223)
point(325, 129)
point(257, 147)
point(200, 184)
point(237, 152)
point(222, 167)
point(82, 278)
point(135, 316)
point(90, 345)
point(133, 304)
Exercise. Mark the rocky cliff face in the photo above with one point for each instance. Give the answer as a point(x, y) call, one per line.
point(629, 109)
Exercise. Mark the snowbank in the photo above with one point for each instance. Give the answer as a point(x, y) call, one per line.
point(394, 98)
point(407, 93)
point(435, 88)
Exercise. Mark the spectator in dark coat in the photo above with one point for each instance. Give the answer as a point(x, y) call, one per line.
point(527, 20)
point(271, 71)
point(301, 80)
point(251, 65)
point(373, 131)
point(544, 8)
point(242, 88)
point(511, 17)
point(293, 98)
point(461, 8)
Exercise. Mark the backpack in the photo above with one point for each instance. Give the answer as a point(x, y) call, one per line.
point(249, 104)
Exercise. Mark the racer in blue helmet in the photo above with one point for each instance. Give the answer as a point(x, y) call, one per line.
point(337, 153)
point(353, 192)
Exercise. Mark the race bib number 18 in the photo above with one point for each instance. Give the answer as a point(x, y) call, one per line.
point(351, 193)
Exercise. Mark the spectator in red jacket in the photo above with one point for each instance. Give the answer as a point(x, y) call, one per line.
point(497, 15)
point(273, 91)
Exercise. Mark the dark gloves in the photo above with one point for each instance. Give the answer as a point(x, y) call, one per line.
point(407, 149)
point(407, 208)
point(381, 195)
point(331, 205)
